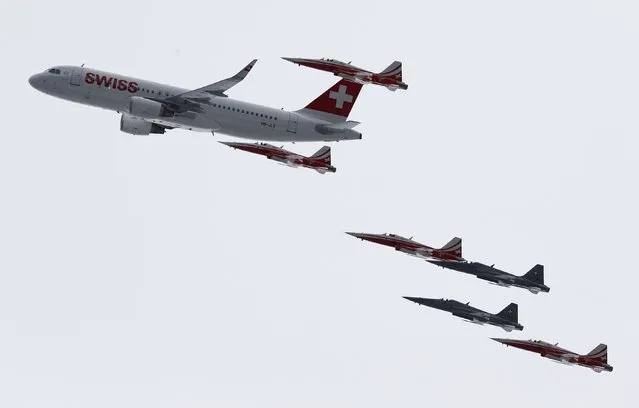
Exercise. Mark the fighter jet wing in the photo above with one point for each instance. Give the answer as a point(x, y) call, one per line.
point(502, 277)
point(191, 100)
point(479, 314)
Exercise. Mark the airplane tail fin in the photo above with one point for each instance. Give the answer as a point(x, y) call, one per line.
point(335, 104)
point(536, 274)
point(599, 353)
point(454, 246)
point(323, 155)
point(510, 312)
point(394, 71)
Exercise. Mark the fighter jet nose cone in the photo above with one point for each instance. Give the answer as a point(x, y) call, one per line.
point(412, 299)
point(354, 234)
point(498, 340)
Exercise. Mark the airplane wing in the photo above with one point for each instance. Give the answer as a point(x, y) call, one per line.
point(501, 277)
point(480, 315)
point(569, 355)
point(427, 254)
point(191, 100)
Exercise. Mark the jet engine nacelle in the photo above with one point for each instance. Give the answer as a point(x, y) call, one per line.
point(147, 108)
point(138, 126)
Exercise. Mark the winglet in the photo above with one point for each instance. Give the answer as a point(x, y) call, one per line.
point(244, 72)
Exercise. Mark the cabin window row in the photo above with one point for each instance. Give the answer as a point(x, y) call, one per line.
point(159, 93)
point(261, 115)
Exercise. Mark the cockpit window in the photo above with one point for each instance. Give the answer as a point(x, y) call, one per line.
point(334, 60)
point(54, 71)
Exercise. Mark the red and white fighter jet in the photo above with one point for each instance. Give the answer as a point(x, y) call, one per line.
point(596, 360)
point(320, 161)
point(452, 251)
point(391, 77)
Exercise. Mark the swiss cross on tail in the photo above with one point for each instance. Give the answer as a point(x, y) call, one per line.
point(340, 96)
point(338, 100)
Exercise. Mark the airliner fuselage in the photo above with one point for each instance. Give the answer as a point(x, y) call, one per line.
point(136, 100)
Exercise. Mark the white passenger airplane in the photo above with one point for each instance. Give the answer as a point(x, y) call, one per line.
point(148, 107)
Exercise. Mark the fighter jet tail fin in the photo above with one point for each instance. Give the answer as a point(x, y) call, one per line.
point(536, 274)
point(335, 104)
point(394, 71)
point(323, 155)
point(510, 312)
point(599, 353)
point(454, 246)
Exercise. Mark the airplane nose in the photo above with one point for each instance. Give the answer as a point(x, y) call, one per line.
point(356, 235)
point(34, 80)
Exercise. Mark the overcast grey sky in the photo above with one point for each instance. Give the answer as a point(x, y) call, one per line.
point(173, 271)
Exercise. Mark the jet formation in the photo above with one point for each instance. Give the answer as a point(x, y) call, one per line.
point(147, 107)
point(450, 257)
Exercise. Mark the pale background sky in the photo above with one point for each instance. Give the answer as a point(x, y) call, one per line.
point(172, 271)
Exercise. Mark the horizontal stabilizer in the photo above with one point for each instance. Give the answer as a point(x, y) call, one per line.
point(338, 127)
point(350, 124)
